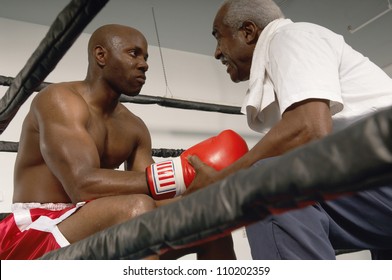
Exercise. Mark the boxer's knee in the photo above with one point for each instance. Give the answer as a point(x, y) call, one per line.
point(118, 209)
point(140, 204)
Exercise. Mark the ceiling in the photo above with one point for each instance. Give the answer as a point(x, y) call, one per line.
point(186, 24)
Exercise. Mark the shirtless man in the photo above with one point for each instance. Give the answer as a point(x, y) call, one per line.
point(73, 139)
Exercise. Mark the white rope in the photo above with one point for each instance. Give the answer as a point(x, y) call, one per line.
point(160, 52)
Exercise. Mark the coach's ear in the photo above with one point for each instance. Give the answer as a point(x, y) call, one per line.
point(250, 31)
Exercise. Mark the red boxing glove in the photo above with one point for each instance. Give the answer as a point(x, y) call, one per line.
point(170, 178)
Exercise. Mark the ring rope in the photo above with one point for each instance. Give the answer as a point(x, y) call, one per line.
point(8, 146)
point(162, 101)
point(64, 31)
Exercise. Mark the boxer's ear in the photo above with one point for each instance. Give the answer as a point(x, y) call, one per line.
point(100, 54)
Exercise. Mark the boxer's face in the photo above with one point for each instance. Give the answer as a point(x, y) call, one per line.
point(127, 63)
point(232, 49)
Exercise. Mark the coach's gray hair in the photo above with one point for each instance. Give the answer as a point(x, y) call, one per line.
point(261, 12)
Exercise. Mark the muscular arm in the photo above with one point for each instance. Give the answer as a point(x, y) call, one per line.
point(72, 154)
point(142, 156)
point(301, 123)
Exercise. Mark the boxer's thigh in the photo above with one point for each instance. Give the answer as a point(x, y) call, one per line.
point(101, 213)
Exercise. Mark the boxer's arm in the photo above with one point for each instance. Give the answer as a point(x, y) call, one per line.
point(71, 154)
point(142, 154)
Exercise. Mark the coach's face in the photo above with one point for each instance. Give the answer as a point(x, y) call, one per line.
point(233, 48)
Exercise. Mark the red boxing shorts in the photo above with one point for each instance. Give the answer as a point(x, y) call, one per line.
point(31, 230)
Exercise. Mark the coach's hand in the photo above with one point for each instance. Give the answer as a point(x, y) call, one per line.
point(205, 175)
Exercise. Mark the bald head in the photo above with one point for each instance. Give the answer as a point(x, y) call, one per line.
point(110, 36)
point(117, 56)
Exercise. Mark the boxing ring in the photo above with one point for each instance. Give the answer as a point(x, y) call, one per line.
point(319, 171)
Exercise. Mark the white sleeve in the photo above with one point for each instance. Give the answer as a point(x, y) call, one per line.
point(304, 65)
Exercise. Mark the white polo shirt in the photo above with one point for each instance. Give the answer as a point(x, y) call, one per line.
point(309, 61)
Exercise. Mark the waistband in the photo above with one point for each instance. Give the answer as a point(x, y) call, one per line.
point(34, 205)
